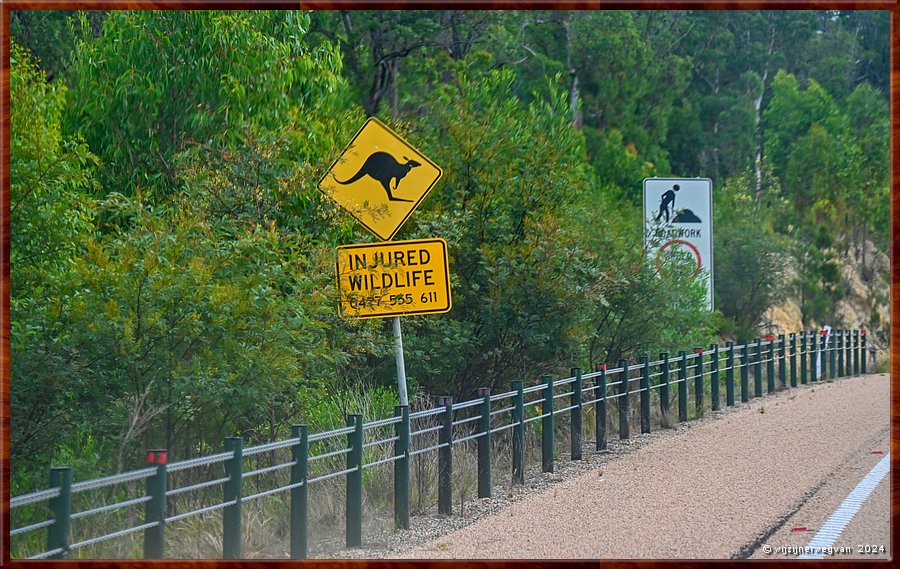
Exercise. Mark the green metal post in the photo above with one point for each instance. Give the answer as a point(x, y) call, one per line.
point(714, 378)
point(813, 356)
point(231, 515)
point(745, 371)
point(401, 468)
point(155, 509)
point(793, 349)
point(698, 381)
point(757, 370)
point(575, 417)
point(823, 356)
point(61, 508)
point(518, 443)
point(484, 445)
point(445, 458)
point(863, 350)
point(832, 365)
point(803, 357)
point(300, 493)
point(770, 366)
point(353, 521)
point(547, 425)
point(729, 375)
point(839, 348)
point(856, 352)
point(623, 400)
point(600, 409)
point(782, 360)
point(645, 394)
point(664, 383)
point(682, 386)
point(848, 352)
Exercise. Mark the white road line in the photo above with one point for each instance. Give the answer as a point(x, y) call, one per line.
point(833, 527)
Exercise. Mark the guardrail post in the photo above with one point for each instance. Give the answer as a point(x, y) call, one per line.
point(600, 409)
point(155, 509)
point(354, 481)
point(445, 458)
point(623, 400)
point(745, 371)
point(484, 445)
point(231, 515)
point(645, 394)
point(575, 417)
point(682, 386)
point(863, 350)
point(856, 352)
point(848, 352)
point(848, 358)
point(401, 468)
point(547, 425)
point(824, 356)
point(518, 442)
point(803, 357)
point(664, 383)
point(714, 378)
point(793, 349)
point(61, 508)
point(813, 356)
point(698, 381)
point(300, 494)
point(757, 370)
point(770, 366)
point(782, 361)
point(729, 375)
point(839, 348)
point(832, 359)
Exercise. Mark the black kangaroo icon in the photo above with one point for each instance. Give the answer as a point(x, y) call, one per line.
point(384, 168)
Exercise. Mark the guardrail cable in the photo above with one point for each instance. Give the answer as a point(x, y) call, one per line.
point(111, 507)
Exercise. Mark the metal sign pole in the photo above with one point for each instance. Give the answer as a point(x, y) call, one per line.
point(401, 365)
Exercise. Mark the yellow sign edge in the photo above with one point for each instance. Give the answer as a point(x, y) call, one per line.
point(337, 271)
point(404, 141)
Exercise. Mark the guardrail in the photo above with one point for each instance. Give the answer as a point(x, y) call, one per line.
point(819, 355)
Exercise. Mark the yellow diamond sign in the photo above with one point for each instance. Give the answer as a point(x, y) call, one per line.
point(380, 179)
point(400, 278)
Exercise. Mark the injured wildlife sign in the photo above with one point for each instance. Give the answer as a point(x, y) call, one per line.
point(678, 220)
point(401, 278)
point(380, 179)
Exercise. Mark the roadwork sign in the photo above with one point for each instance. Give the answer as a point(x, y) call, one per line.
point(678, 217)
point(380, 179)
point(402, 278)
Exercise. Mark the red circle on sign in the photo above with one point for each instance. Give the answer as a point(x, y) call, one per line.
point(691, 246)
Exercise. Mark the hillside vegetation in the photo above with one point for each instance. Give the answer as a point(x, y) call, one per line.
point(173, 263)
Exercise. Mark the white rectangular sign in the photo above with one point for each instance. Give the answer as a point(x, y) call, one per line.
point(678, 216)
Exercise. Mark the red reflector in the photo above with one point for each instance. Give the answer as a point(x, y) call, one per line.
point(770, 338)
point(823, 332)
point(157, 456)
point(602, 367)
point(863, 331)
point(801, 528)
point(698, 350)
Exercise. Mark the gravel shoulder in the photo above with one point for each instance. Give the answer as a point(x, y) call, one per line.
point(716, 488)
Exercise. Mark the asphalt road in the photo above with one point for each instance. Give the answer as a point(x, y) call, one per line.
point(727, 487)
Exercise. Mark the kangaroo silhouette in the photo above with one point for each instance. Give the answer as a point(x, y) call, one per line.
point(384, 168)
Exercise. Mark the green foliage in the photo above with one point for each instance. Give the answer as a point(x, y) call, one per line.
point(750, 256)
point(158, 82)
point(50, 221)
